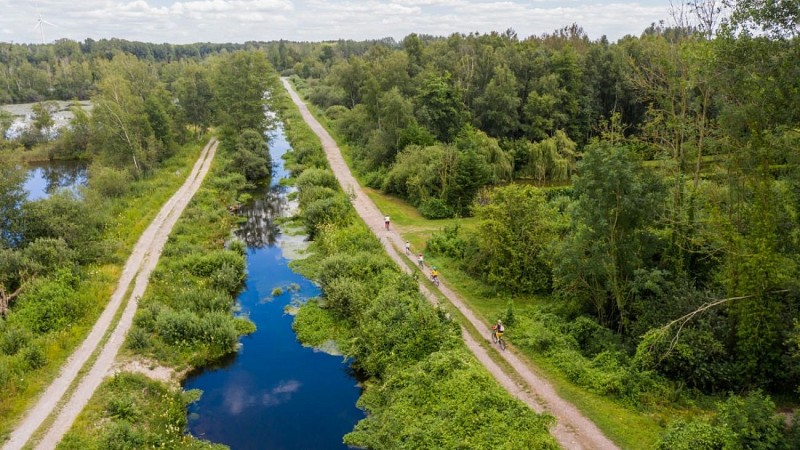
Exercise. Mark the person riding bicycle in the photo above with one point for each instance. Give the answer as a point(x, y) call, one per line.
point(499, 329)
point(421, 261)
point(434, 274)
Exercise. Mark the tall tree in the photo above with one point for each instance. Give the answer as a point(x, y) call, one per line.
point(241, 81)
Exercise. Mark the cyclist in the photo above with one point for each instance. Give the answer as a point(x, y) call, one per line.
point(498, 330)
point(386, 222)
point(421, 261)
point(408, 248)
point(435, 275)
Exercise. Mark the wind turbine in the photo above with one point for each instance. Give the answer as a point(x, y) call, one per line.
point(40, 24)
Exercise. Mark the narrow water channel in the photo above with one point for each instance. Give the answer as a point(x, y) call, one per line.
point(274, 393)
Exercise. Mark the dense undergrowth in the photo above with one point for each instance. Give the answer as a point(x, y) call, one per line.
point(78, 246)
point(424, 388)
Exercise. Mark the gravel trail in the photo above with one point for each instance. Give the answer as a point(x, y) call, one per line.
point(137, 269)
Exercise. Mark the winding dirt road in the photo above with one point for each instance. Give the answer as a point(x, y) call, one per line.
point(137, 269)
point(572, 430)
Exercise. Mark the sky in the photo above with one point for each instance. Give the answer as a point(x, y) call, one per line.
point(188, 21)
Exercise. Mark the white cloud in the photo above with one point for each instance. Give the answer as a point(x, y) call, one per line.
point(241, 20)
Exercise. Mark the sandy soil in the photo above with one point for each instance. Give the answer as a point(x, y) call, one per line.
point(137, 270)
point(572, 430)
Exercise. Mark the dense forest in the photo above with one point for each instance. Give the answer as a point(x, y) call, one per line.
point(647, 191)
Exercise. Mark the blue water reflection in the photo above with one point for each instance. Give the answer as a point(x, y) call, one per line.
point(274, 393)
point(45, 178)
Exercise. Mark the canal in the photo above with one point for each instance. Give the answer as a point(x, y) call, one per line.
point(274, 393)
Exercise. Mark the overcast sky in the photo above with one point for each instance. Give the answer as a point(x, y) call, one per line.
point(190, 21)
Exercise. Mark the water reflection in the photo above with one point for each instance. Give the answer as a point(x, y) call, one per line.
point(44, 179)
point(260, 229)
point(273, 393)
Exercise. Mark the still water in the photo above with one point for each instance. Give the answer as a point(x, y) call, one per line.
point(46, 178)
point(274, 393)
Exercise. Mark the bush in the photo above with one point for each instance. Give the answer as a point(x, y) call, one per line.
point(335, 111)
point(122, 407)
point(13, 339)
point(138, 339)
point(751, 422)
point(694, 435)
point(446, 242)
point(49, 305)
point(108, 181)
point(122, 436)
point(332, 210)
point(34, 356)
point(316, 177)
point(435, 208)
point(178, 327)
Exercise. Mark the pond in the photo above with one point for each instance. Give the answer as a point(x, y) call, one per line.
point(45, 178)
point(22, 115)
point(274, 393)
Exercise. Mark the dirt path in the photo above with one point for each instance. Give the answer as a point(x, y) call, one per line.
point(573, 430)
point(137, 269)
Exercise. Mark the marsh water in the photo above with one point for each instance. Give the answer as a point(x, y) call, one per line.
point(274, 393)
point(46, 178)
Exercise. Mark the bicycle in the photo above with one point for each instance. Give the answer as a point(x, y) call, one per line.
point(498, 338)
point(435, 280)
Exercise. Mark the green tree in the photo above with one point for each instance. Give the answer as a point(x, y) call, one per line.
point(616, 202)
point(509, 247)
point(439, 107)
point(251, 156)
point(195, 97)
point(497, 110)
point(241, 81)
point(12, 196)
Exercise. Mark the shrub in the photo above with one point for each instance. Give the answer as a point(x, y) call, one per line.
point(13, 339)
point(138, 339)
point(316, 177)
point(122, 436)
point(332, 210)
point(49, 305)
point(108, 181)
point(178, 327)
point(34, 356)
point(204, 265)
point(751, 422)
point(591, 337)
point(435, 208)
point(122, 407)
point(335, 111)
point(228, 278)
point(446, 242)
point(694, 435)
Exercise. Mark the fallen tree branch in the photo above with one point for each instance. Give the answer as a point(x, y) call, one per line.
point(683, 320)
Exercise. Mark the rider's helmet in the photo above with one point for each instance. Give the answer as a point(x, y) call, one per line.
point(499, 322)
